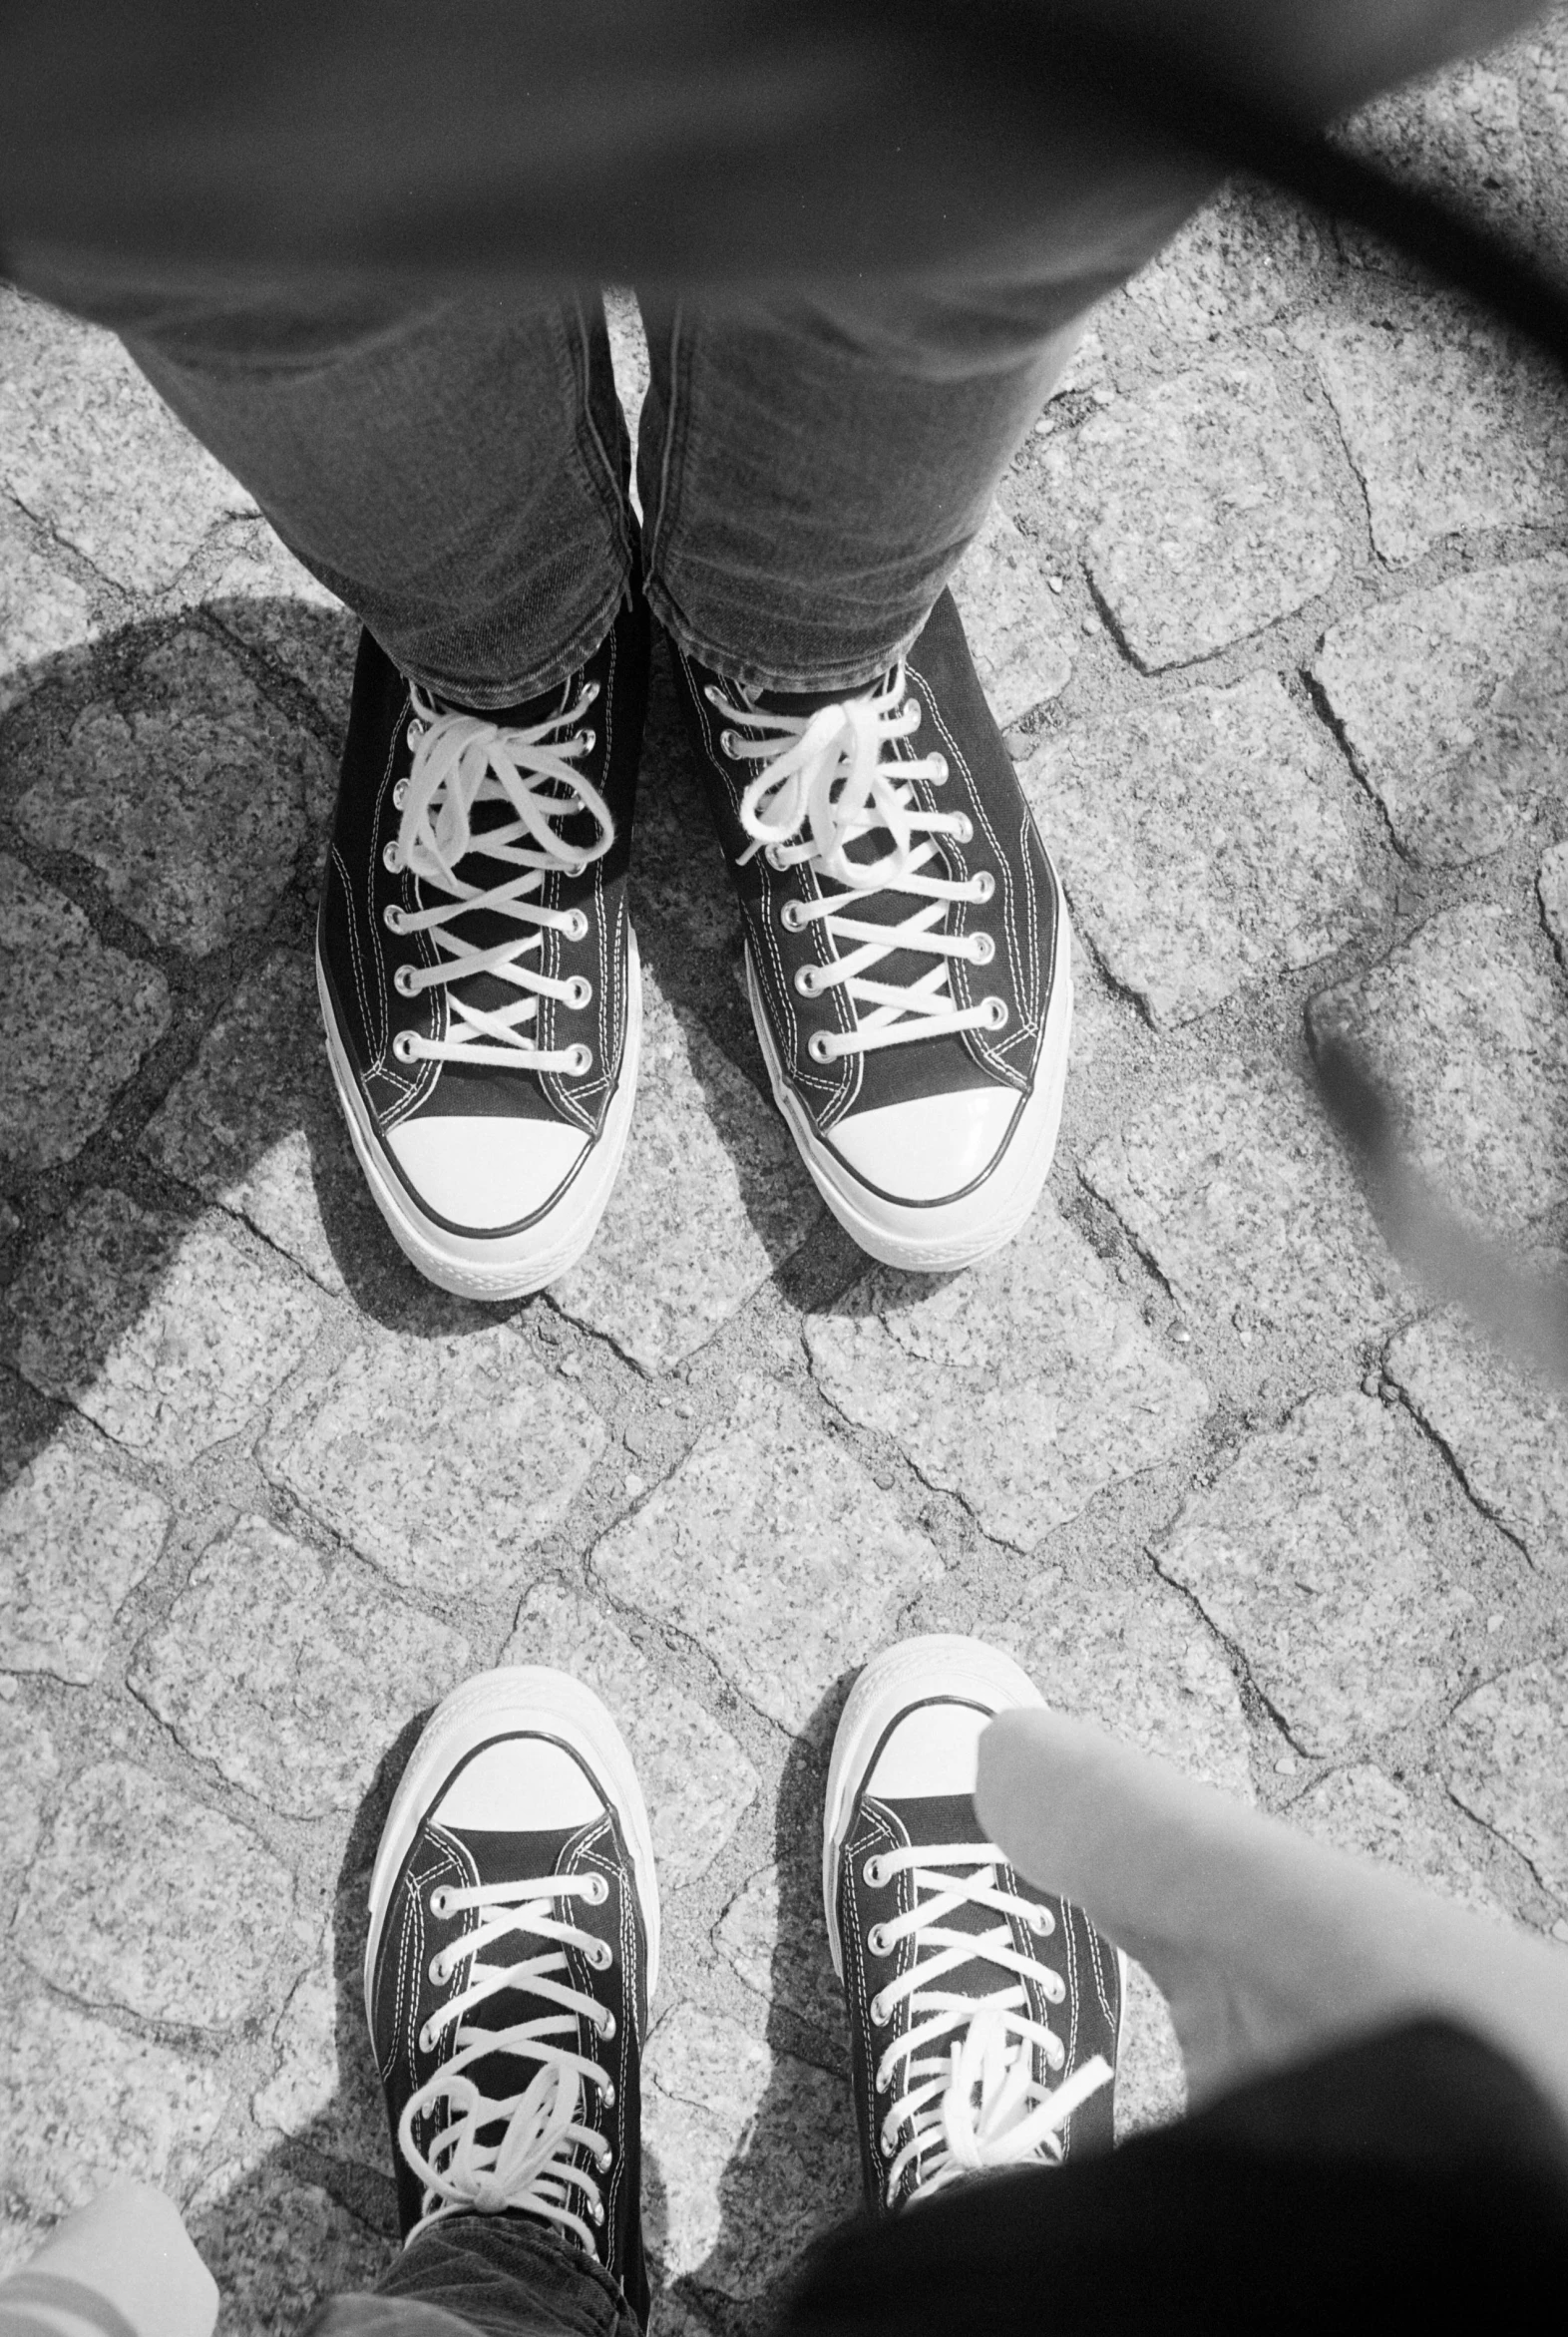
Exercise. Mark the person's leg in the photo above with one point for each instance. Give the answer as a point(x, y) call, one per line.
point(121, 2266)
point(483, 2276)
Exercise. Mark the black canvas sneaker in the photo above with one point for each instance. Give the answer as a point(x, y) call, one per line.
point(907, 945)
point(983, 2014)
point(477, 967)
point(512, 1957)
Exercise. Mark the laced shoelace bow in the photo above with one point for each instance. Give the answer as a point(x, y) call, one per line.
point(531, 2166)
point(827, 782)
point(462, 764)
point(962, 2075)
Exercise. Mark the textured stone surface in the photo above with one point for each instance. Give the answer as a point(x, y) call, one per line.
point(755, 2151)
point(1023, 1385)
point(1237, 264)
point(1506, 1431)
point(1451, 423)
point(76, 1537)
point(1021, 642)
point(775, 1939)
point(276, 2245)
point(83, 2105)
point(95, 455)
point(194, 803)
point(169, 1336)
point(79, 1019)
point(696, 1778)
point(1363, 1810)
point(1204, 841)
point(1471, 1037)
point(44, 612)
point(1452, 704)
point(1551, 883)
point(254, 1124)
point(1239, 1195)
point(711, 1199)
point(1459, 133)
point(442, 1461)
point(143, 1898)
point(1134, 1658)
point(323, 2088)
point(1507, 1763)
point(1305, 1554)
point(773, 1549)
point(291, 1674)
point(265, 599)
point(29, 1766)
point(1209, 509)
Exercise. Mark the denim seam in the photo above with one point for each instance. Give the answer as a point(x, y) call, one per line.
point(669, 470)
point(851, 674)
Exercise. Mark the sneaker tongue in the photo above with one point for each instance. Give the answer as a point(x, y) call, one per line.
point(945, 1819)
point(503, 1858)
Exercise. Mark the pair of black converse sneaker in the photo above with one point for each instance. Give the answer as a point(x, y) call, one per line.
point(907, 953)
point(514, 1949)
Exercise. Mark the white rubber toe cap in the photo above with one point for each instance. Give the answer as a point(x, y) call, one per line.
point(485, 1173)
point(519, 1785)
point(930, 1147)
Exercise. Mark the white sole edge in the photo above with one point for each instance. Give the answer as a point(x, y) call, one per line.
point(938, 1666)
point(948, 1235)
point(525, 1263)
point(515, 1697)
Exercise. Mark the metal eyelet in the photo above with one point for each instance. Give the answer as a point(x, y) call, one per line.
point(1041, 1922)
point(774, 855)
point(982, 950)
point(400, 795)
point(579, 1062)
point(606, 2027)
point(403, 1046)
point(887, 2143)
point(920, 714)
point(730, 744)
point(588, 740)
point(392, 918)
point(882, 2082)
point(425, 2040)
point(607, 2094)
point(580, 992)
point(441, 1903)
point(595, 2212)
point(1056, 1988)
point(439, 1973)
point(1054, 2054)
point(596, 1890)
point(792, 917)
point(806, 981)
point(878, 2012)
point(573, 868)
point(985, 886)
point(606, 2160)
point(874, 1874)
point(390, 860)
point(877, 1940)
point(602, 1955)
point(996, 1014)
point(575, 926)
point(416, 729)
point(403, 982)
point(820, 1048)
point(715, 697)
point(590, 693)
point(942, 774)
point(962, 828)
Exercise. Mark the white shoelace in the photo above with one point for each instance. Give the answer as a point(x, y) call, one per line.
point(827, 781)
point(462, 762)
point(963, 2074)
point(531, 2166)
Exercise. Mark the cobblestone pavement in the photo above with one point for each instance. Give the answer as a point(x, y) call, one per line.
point(1273, 604)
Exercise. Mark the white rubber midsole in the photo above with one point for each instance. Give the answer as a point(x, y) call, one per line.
point(938, 1667)
point(513, 1265)
point(518, 1698)
point(950, 1234)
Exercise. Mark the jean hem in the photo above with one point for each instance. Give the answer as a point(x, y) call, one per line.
point(493, 697)
point(730, 665)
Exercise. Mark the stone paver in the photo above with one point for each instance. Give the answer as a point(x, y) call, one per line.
point(79, 1019)
point(143, 1898)
point(780, 1948)
point(440, 1460)
point(1459, 133)
point(1236, 1190)
point(76, 1537)
point(1022, 645)
point(45, 614)
point(75, 416)
point(291, 1674)
point(710, 1200)
point(1134, 1658)
point(1506, 1431)
point(754, 2151)
point(696, 1778)
point(1451, 702)
point(1451, 424)
point(169, 1336)
point(323, 2088)
point(255, 1125)
point(1507, 1763)
point(1022, 1385)
point(1361, 1810)
point(193, 805)
point(1235, 264)
point(275, 2245)
point(28, 1768)
point(1213, 510)
point(773, 1549)
point(1205, 841)
point(1469, 1035)
point(265, 599)
point(1551, 883)
point(84, 2105)
point(1306, 1555)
